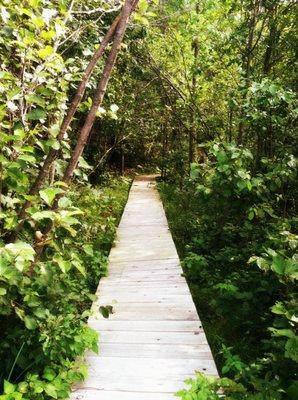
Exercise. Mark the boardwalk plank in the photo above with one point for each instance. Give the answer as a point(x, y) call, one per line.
point(182, 338)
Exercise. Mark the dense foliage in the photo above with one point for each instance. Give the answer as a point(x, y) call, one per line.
point(212, 102)
point(230, 188)
point(54, 236)
point(239, 254)
point(43, 318)
point(202, 91)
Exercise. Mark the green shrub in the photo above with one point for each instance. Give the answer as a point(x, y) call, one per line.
point(43, 315)
point(239, 252)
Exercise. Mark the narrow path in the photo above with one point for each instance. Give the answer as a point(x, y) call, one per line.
point(154, 339)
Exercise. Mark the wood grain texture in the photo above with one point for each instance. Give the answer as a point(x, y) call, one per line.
point(154, 339)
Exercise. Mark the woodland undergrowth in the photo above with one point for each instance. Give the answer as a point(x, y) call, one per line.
point(236, 231)
point(44, 318)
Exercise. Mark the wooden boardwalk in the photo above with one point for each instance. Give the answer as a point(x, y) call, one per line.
point(154, 339)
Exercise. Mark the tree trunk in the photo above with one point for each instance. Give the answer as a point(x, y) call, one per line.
point(97, 101)
point(270, 41)
point(52, 155)
point(247, 60)
point(193, 131)
point(100, 91)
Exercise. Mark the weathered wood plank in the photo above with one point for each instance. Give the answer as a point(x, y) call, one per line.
point(155, 350)
point(141, 297)
point(135, 337)
point(153, 312)
point(145, 326)
point(143, 375)
point(116, 395)
point(146, 367)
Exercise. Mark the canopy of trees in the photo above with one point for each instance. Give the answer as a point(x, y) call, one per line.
point(202, 92)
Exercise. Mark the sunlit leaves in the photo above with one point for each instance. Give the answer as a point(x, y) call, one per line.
point(49, 194)
point(45, 52)
point(21, 253)
point(64, 265)
point(8, 387)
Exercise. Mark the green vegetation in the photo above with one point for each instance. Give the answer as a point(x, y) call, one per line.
point(238, 255)
point(202, 91)
point(43, 317)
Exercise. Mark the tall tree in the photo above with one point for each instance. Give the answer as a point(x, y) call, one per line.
point(53, 153)
point(128, 7)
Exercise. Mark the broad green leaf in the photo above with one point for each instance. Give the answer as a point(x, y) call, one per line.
point(3, 291)
point(64, 202)
point(79, 266)
point(36, 114)
point(51, 391)
point(8, 387)
point(28, 158)
point(84, 164)
point(21, 249)
point(64, 265)
point(45, 52)
point(36, 99)
point(88, 249)
point(30, 322)
point(49, 374)
point(40, 312)
point(278, 265)
point(48, 195)
point(38, 216)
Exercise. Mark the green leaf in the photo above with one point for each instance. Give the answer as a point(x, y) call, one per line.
point(251, 215)
point(38, 22)
point(84, 164)
point(49, 374)
point(8, 387)
point(51, 391)
point(2, 291)
point(35, 99)
point(64, 202)
point(292, 348)
point(28, 158)
point(278, 265)
point(106, 311)
point(36, 114)
point(40, 312)
point(80, 267)
point(30, 322)
point(48, 195)
point(279, 308)
point(45, 52)
point(47, 35)
point(64, 265)
point(21, 249)
point(88, 249)
point(38, 216)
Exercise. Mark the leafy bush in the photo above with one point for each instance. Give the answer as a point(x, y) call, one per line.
point(43, 315)
point(236, 233)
